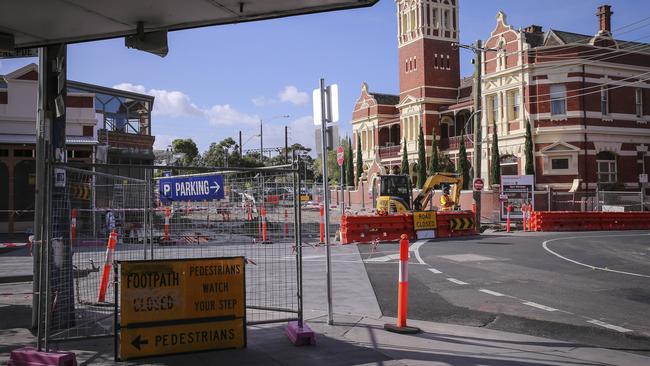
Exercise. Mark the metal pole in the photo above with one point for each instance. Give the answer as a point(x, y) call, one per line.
point(261, 144)
point(240, 147)
point(286, 144)
point(297, 232)
point(477, 129)
point(326, 203)
point(342, 192)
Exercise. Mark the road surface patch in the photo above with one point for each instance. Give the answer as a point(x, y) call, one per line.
point(466, 257)
point(458, 282)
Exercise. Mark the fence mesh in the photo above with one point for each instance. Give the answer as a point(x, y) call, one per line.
point(255, 202)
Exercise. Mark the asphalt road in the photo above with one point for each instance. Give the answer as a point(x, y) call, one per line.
point(590, 288)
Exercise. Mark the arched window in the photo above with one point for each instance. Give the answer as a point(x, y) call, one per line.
point(606, 167)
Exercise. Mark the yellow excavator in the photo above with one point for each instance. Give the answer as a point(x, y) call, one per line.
point(395, 192)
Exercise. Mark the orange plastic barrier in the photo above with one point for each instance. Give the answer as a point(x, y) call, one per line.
point(367, 228)
point(589, 221)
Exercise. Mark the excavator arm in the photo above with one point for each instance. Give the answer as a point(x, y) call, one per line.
point(426, 193)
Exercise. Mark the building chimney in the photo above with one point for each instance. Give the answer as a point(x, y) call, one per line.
point(605, 18)
point(533, 28)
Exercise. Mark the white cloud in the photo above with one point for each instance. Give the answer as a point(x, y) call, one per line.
point(178, 104)
point(301, 130)
point(162, 141)
point(262, 101)
point(291, 94)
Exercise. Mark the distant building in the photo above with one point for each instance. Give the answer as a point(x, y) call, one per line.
point(587, 98)
point(102, 125)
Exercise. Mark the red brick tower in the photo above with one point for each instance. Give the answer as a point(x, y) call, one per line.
point(429, 65)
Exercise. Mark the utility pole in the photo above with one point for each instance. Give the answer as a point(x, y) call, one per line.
point(478, 61)
point(261, 144)
point(240, 147)
point(286, 145)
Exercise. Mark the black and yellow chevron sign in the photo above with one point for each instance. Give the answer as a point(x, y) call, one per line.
point(80, 191)
point(464, 223)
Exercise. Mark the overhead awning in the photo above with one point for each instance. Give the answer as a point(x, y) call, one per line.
point(35, 23)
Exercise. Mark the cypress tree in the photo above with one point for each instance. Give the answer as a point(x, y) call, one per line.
point(359, 158)
point(528, 151)
point(495, 166)
point(463, 166)
point(422, 160)
point(405, 160)
point(349, 164)
point(434, 164)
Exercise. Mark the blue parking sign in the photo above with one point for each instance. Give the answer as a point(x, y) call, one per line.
point(197, 188)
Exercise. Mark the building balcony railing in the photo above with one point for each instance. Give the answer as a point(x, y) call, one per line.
point(453, 143)
point(389, 152)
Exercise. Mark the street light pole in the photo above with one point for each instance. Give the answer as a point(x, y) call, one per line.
point(478, 60)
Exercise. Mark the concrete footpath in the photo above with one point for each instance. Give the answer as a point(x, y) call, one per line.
point(356, 338)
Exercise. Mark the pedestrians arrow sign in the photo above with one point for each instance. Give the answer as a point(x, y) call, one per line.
point(138, 341)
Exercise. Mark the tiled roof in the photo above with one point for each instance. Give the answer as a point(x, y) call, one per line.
point(570, 37)
point(386, 99)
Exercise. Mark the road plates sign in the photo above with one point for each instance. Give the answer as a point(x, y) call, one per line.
point(194, 188)
point(339, 155)
point(478, 184)
point(424, 220)
point(181, 338)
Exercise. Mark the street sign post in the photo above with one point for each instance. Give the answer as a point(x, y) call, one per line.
point(478, 184)
point(339, 156)
point(191, 188)
point(174, 306)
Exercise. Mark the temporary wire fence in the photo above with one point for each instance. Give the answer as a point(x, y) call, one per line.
point(255, 219)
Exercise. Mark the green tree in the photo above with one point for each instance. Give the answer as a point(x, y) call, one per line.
point(332, 167)
point(495, 165)
point(349, 165)
point(434, 164)
point(405, 160)
point(187, 150)
point(446, 165)
point(422, 160)
point(463, 165)
point(528, 151)
point(359, 159)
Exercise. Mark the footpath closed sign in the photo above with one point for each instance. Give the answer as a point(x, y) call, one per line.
point(172, 306)
point(194, 188)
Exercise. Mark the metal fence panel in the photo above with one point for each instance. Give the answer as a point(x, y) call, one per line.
point(256, 219)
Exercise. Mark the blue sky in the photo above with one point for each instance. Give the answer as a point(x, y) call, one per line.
point(219, 80)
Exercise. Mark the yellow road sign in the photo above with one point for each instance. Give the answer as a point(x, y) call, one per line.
point(424, 220)
point(168, 339)
point(464, 223)
point(162, 290)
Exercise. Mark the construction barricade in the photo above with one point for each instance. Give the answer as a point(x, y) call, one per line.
point(367, 228)
point(589, 221)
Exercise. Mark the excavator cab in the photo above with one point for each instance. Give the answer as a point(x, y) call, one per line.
point(394, 194)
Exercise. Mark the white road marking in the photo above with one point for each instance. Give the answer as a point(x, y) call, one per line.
point(540, 306)
point(415, 248)
point(458, 282)
point(609, 326)
point(433, 270)
point(384, 258)
point(490, 292)
point(545, 245)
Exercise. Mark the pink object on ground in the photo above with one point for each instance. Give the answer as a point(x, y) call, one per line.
point(29, 356)
point(300, 336)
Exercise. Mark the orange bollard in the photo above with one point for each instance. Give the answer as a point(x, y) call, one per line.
point(168, 213)
point(265, 238)
point(508, 218)
point(106, 271)
point(524, 209)
point(73, 226)
point(322, 224)
point(402, 291)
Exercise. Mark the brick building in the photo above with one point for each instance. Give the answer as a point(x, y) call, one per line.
point(587, 98)
point(102, 125)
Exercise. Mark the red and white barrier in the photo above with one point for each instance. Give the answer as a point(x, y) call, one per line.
point(106, 270)
point(402, 291)
point(508, 218)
